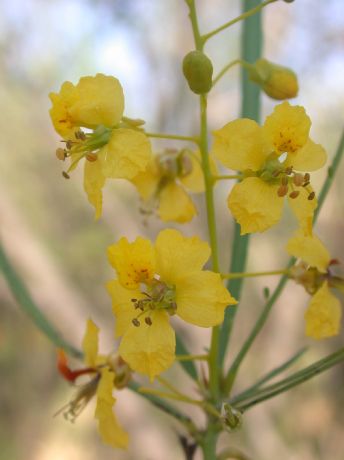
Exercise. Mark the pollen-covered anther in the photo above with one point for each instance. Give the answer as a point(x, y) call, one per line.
point(136, 322)
point(80, 135)
point(148, 321)
point(294, 194)
point(298, 179)
point(311, 196)
point(289, 170)
point(61, 154)
point(91, 157)
point(65, 175)
point(282, 190)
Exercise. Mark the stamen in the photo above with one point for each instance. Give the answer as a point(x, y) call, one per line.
point(289, 170)
point(294, 194)
point(136, 322)
point(65, 175)
point(307, 177)
point(91, 157)
point(282, 191)
point(61, 154)
point(148, 321)
point(311, 196)
point(298, 180)
point(284, 180)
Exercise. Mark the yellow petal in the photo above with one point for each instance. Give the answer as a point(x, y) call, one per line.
point(134, 262)
point(110, 431)
point(310, 157)
point(127, 153)
point(175, 204)
point(202, 298)
point(239, 145)
point(148, 180)
point(93, 184)
point(323, 314)
point(310, 249)
point(59, 112)
point(147, 349)
point(100, 102)
point(122, 306)
point(194, 180)
point(90, 343)
point(255, 205)
point(287, 128)
point(178, 256)
point(303, 209)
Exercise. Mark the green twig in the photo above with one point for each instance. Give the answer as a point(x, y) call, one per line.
point(27, 304)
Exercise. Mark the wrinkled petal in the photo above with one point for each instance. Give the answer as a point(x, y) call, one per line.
point(110, 431)
point(175, 204)
point(310, 157)
point(239, 145)
point(133, 262)
point(59, 112)
point(303, 209)
point(127, 153)
point(93, 184)
point(202, 298)
point(100, 102)
point(323, 314)
point(149, 350)
point(177, 256)
point(287, 128)
point(90, 343)
point(255, 205)
point(194, 181)
point(310, 249)
point(122, 306)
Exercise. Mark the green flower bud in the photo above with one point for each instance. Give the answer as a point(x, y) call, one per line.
point(276, 81)
point(198, 71)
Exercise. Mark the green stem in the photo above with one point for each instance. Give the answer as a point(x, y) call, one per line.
point(209, 445)
point(27, 304)
point(233, 276)
point(173, 136)
point(252, 37)
point(227, 177)
point(277, 292)
point(270, 375)
point(293, 380)
point(243, 16)
point(226, 68)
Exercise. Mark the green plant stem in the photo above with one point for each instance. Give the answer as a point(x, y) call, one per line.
point(227, 67)
point(270, 375)
point(278, 290)
point(173, 136)
point(252, 37)
point(26, 303)
point(293, 380)
point(243, 16)
point(188, 366)
point(227, 177)
point(233, 276)
point(209, 197)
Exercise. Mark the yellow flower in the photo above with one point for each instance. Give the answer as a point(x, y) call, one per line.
point(108, 373)
point(154, 283)
point(268, 158)
point(115, 148)
point(164, 183)
point(323, 314)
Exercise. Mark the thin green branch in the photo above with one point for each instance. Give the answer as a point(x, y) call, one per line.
point(270, 375)
point(26, 303)
point(174, 137)
point(243, 16)
point(293, 380)
point(188, 366)
point(270, 303)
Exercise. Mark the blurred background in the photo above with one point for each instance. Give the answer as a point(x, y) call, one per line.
point(49, 232)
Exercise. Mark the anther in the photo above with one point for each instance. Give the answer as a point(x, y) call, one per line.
point(61, 154)
point(311, 196)
point(80, 135)
point(148, 321)
point(294, 194)
point(91, 157)
point(65, 175)
point(307, 177)
point(136, 322)
point(298, 180)
point(289, 170)
point(133, 300)
point(69, 145)
point(284, 180)
point(282, 191)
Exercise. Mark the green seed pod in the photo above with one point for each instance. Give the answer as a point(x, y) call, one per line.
point(198, 71)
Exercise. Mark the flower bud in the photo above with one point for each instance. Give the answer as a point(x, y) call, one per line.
point(276, 81)
point(231, 417)
point(198, 71)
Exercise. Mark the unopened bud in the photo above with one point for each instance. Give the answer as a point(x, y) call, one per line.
point(198, 71)
point(231, 418)
point(276, 81)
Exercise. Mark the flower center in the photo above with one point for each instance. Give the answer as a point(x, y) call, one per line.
point(158, 296)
